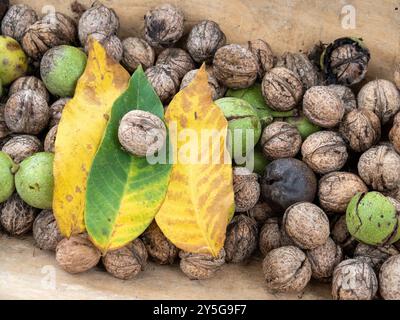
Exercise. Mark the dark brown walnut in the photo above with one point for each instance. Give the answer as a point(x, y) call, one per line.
point(198, 266)
point(176, 59)
point(336, 189)
point(381, 97)
point(52, 30)
point(389, 279)
point(159, 248)
point(164, 81)
point(217, 90)
point(241, 238)
point(286, 269)
point(17, 19)
point(204, 40)
point(280, 140)
point(394, 134)
point(396, 76)
point(111, 43)
point(361, 129)
point(379, 167)
point(45, 231)
point(375, 256)
point(261, 212)
point(282, 89)
point(26, 112)
point(77, 254)
point(97, 19)
point(31, 83)
point(264, 55)
point(56, 111)
point(4, 131)
point(164, 25)
point(285, 239)
point(137, 52)
point(354, 280)
point(246, 189)
point(346, 95)
point(16, 216)
point(235, 66)
point(270, 236)
point(324, 259)
point(49, 141)
point(341, 235)
point(323, 107)
point(22, 146)
point(324, 152)
point(307, 225)
point(127, 262)
point(304, 69)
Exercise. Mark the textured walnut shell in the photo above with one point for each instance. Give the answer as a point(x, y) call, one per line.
point(164, 25)
point(137, 52)
point(264, 55)
point(45, 231)
point(111, 43)
point(324, 152)
point(17, 19)
point(31, 83)
point(361, 129)
point(282, 89)
point(341, 235)
point(235, 66)
point(49, 141)
point(261, 212)
point(177, 59)
point(323, 107)
point(375, 256)
point(346, 95)
point(394, 134)
point(164, 81)
point(77, 254)
point(381, 97)
point(159, 248)
point(16, 217)
point(26, 112)
point(246, 189)
point(379, 167)
point(286, 269)
point(204, 40)
point(4, 131)
point(127, 262)
point(22, 146)
point(354, 280)
point(241, 238)
point(199, 266)
point(396, 76)
point(56, 110)
point(270, 236)
point(306, 224)
point(280, 140)
point(389, 279)
point(336, 189)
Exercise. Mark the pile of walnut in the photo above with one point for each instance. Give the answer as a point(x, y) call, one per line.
point(294, 214)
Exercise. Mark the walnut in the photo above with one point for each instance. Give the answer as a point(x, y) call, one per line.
point(165, 82)
point(270, 236)
point(389, 279)
point(176, 59)
point(4, 131)
point(346, 95)
point(394, 134)
point(31, 83)
point(217, 90)
point(17, 19)
point(111, 43)
point(282, 89)
point(127, 262)
point(45, 231)
point(397, 76)
point(261, 212)
point(375, 256)
point(56, 110)
point(341, 235)
point(264, 55)
point(137, 51)
point(246, 188)
point(50, 139)
point(204, 40)
point(22, 146)
point(199, 266)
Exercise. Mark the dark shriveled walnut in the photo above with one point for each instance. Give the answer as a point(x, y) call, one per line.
point(45, 231)
point(17, 19)
point(137, 51)
point(199, 266)
point(264, 55)
point(31, 83)
point(176, 59)
point(246, 189)
point(22, 146)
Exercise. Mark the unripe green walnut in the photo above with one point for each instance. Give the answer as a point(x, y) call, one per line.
point(7, 169)
point(303, 125)
point(13, 62)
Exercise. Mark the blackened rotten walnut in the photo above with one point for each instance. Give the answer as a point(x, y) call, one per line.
point(286, 269)
point(22, 146)
point(336, 189)
point(26, 112)
point(198, 266)
point(323, 107)
point(246, 189)
point(164, 25)
point(375, 256)
point(111, 43)
point(394, 134)
point(17, 19)
point(176, 59)
point(56, 110)
point(379, 167)
point(346, 95)
point(280, 140)
point(381, 97)
point(264, 55)
point(137, 52)
point(77, 254)
point(127, 262)
point(306, 224)
point(235, 66)
point(31, 83)
point(4, 131)
point(282, 89)
point(341, 235)
point(324, 152)
point(217, 90)
point(241, 238)
point(354, 280)
point(164, 81)
point(49, 141)
point(45, 231)
point(389, 279)
point(159, 248)
point(361, 129)
point(204, 40)
point(270, 236)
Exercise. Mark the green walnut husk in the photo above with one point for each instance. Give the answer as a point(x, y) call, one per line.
point(34, 180)
point(7, 170)
point(304, 126)
point(61, 68)
point(13, 60)
point(372, 219)
point(259, 161)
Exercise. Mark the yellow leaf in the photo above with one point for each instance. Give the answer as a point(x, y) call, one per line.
point(199, 199)
point(79, 134)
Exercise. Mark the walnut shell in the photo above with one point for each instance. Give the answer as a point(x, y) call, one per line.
point(17, 19)
point(346, 95)
point(246, 189)
point(324, 152)
point(45, 231)
point(50, 140)
point(282, 89)
point(199, 266)
point(286, 269)
point(375, 256)
point(31, 83)
point(56, 110)
point(217, 90)
point(127, 262)
point(389, 279)
point(111, 43)
point(176, 59)
point(341, 235)
point(235, 66)
point(4, 131)
point(22, 146)
point(264, 55)
point(397, 76)
point(137, 51)
point(77, 254)
point(261, 212)
point(165, 82)
point(270, 236)
point(394, 134)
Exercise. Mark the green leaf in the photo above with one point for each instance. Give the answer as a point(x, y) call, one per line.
point(124, 192)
